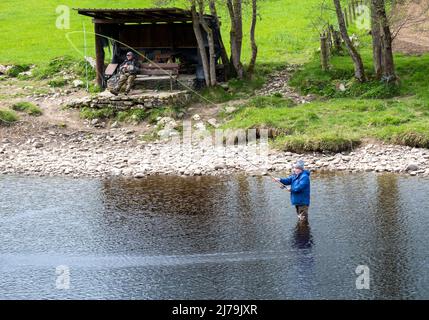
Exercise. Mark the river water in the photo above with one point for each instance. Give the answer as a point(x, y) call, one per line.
point(233, 237)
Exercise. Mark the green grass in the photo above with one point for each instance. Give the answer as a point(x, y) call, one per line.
point(132, 115)
point(338, 121)
point(71, 64)
point(27, 107)
point(7, 117)
point(168, 111)
point(411, 70)
point(136, 115)
point(338, 124)
point(57, 82)
point(39, 41)
point(91, 113)
point(237, 89)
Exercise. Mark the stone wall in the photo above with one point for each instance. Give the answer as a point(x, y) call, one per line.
point(143, 100)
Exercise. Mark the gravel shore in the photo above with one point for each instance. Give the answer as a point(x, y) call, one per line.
point(122, 153)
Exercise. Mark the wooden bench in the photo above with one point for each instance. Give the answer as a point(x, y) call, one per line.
point(160, 71)
point(151, 71)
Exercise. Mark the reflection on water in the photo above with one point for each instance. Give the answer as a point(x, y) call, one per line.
point(302, 235)
point(209, 237)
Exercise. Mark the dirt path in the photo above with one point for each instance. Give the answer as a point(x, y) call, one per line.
point(54, 116)
point(278, 84)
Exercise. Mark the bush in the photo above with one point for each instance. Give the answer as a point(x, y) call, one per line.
point(132, 115)
point(57, 83)
point(7, 117)
point(163, 112)
point(412, 139)
point(28, 108)
point(413, 136)
point(90, 113)
point(81, 68)
point(17, 69)
point(54, 67)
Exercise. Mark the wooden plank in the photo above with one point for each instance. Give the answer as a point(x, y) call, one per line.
point(134, 20)
point(156, 72)
point(160, 65)
point(147, 78)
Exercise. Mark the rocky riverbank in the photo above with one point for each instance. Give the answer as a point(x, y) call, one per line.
point(122, 152)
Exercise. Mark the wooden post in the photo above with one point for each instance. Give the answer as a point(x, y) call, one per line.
point(324, 52)
point(99, 55)
point(329, 36)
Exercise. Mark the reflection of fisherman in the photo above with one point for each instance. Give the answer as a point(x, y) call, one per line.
point(300, 189)
point(302, 236)
point(128, 71)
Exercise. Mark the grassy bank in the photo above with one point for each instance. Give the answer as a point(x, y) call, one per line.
point(340, 119)
point(339, 124)
point(38, 40)
point(347, 112)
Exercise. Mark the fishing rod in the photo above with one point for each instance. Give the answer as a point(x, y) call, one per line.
point(67, 36)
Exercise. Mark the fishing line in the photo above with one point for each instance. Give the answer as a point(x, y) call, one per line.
point(141, 55)
point(67, 35)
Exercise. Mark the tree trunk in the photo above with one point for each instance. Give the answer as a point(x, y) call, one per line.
point(210, 39)
point(386, 38)
point(354, 54)
point(239, 25)
point(236, 36)
point(200, 42)
point(253, 45)
point(376, 42)
point(223, 54)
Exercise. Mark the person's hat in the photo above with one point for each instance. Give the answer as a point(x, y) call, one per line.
point(299, 165)
point(130, 54)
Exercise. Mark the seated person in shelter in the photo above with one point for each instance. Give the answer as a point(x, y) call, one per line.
point(128, 71)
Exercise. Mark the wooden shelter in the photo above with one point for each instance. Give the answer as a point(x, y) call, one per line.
point(162, 35)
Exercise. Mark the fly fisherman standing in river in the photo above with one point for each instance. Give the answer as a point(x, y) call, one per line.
point(299, 190)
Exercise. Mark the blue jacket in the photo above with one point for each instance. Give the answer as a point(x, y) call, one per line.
point(300, 188)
